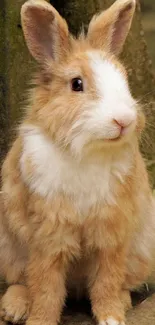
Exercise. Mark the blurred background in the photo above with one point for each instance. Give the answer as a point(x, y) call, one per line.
point(148, 20)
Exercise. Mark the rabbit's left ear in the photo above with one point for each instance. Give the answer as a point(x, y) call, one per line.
point(46, 32)
point(108, 31)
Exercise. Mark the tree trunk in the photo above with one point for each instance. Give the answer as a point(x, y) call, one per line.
point(135, 57)
point(4, 116)
point(18, 62)
point(15, 70)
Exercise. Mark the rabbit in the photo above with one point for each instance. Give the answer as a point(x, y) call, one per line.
point(77, 212)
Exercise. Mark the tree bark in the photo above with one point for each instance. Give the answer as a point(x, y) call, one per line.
point(18, 60)
point(4, 113)
point(15, 71)
point(135, 57)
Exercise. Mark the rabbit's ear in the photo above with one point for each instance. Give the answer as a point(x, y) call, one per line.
point(45, 31)
point(108, 31)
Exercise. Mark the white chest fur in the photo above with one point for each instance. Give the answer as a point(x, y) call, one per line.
point(87, 184)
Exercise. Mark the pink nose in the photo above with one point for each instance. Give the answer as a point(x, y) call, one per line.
point(121, 123)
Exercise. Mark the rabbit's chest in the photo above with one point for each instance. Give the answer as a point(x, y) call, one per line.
point(47, 173)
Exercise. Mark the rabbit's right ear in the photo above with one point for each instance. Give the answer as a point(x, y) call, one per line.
point(108, 31)
point(45, 31)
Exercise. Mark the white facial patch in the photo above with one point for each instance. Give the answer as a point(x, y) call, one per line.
point(109, 80)
point(115, 101)
point(113, 104)
point(56, 172)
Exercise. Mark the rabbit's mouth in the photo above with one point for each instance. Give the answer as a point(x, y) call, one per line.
point(86, 143)
point(124, 133)
point(120, 137)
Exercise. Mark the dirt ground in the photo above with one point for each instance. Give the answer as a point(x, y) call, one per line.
point(142, 313)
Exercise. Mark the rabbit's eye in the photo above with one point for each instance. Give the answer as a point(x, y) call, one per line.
point(77, 84)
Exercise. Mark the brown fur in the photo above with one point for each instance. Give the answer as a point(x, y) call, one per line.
point(43, 244)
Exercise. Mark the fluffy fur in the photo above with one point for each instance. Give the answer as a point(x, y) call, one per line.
point(76, 211)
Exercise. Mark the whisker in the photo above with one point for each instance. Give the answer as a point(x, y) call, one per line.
point(147, 94)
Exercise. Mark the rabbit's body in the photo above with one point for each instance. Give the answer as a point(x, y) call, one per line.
point(80, 208)
point(77, 205)
point(80, 195)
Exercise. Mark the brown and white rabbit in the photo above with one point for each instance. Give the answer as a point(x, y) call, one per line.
point(77, 209)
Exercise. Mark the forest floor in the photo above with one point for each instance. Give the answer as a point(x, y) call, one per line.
point(142, 313)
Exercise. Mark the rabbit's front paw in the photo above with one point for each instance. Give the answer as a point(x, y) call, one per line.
point(15, 304)
point(111, 321)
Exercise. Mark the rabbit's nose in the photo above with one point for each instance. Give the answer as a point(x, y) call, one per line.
point(122, 123)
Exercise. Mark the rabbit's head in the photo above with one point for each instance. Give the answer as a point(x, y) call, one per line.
point(83, 99)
